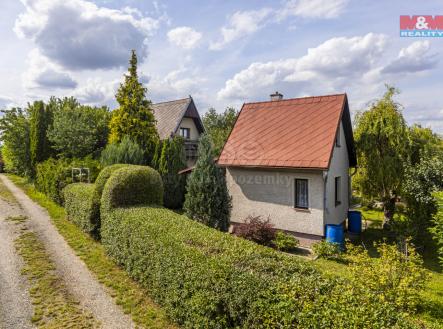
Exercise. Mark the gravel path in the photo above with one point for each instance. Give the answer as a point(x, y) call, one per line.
point(15, 305)
point(81, 283)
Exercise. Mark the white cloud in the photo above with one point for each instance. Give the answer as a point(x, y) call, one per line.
point(326, 67)
point(43, 74)
point(184, 37)
point(176, 84)
point(97, 92)
point(312, 8)
point(78, 34)
point(6, 102)
point(243, 23)
point(240, 24)
point(412, 59)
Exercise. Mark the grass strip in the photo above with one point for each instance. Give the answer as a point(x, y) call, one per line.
point(54, 307)
point(6, 194)
point(128, 294)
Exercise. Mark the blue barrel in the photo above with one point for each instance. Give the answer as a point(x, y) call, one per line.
point(354, 221)
point(335, 234)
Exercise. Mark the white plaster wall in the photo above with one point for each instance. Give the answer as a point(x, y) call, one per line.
point(339, 167)
point(189, 123)
point(271, 193)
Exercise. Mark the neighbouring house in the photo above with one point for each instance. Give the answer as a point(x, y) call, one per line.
point(180, 117)
point(289, 160)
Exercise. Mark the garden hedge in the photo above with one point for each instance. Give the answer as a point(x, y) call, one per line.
point(54, 174)
point(208, 279)
point(82, 201)
point(80, 206)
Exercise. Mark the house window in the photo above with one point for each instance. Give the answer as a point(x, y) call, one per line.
point(301, 193)
point(337, 139)
point(185, 133)
point(337, 191)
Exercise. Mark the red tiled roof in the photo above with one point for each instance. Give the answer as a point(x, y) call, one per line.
point(292, 133)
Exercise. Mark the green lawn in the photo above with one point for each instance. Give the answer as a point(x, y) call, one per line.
point(128, 294)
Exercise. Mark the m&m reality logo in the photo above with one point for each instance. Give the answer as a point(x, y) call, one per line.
point(421, 26)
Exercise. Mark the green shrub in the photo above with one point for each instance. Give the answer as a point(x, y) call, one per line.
point(172, 160)
point(325, 249)
point(131, 186)
point(205, 278)
point(127, 151)
point(80, 207)
point(207, 199)
point(53, 175)
point(285, 242)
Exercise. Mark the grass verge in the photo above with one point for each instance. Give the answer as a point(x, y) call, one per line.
point(54, 307)
point(131, 296)
point(5, 194)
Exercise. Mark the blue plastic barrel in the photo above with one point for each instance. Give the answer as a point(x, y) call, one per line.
point(354, 221)
point(335, 234)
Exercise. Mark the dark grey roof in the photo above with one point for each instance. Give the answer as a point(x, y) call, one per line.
point(170, 114)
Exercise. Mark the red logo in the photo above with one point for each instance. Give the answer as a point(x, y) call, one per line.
point(421, 22)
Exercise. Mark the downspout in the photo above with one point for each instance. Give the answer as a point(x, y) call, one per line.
point(325, 209)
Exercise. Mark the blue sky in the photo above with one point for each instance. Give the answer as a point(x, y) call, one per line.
point(223, 53)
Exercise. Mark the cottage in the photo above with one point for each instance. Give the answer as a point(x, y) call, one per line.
point(180, 117)
point(289, 160)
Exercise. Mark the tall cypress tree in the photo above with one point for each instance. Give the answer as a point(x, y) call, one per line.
point(207, 199)
point(134, 117)
point(172, 160)
point(40, 119)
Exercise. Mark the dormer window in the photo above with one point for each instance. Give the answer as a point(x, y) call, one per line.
point(185, 133)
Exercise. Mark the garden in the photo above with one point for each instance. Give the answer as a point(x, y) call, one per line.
point(116, 181)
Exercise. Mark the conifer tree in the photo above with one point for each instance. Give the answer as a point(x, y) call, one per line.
point(155, 163)
point(40, 119)
point(134, 117)
point(172, 160)
point(207, 199)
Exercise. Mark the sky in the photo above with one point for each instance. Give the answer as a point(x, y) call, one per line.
point(223, 53)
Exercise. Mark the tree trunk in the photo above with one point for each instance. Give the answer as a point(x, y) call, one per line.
point(388, 210)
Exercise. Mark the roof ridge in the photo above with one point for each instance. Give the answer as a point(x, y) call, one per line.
point(291, 99)
point(175, 100)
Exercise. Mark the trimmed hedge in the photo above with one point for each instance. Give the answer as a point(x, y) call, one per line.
point(208, 279)
point(80, 206)
point(54, 175)
point(83, 205)
point(131, 186)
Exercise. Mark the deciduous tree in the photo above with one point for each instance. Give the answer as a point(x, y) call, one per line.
point(219, 126)
point(381, 137)
point(14, 133)
point(78, 130)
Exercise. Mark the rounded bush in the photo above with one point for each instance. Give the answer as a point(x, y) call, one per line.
point(133, 185)
point(80, 207)
point(103, 176)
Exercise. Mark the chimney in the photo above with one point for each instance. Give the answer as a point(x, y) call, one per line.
point(276, 96)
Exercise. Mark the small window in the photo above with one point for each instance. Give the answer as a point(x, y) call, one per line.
point(337, 191)
point(337, 139)
point(301, 193)
point(185, 133)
